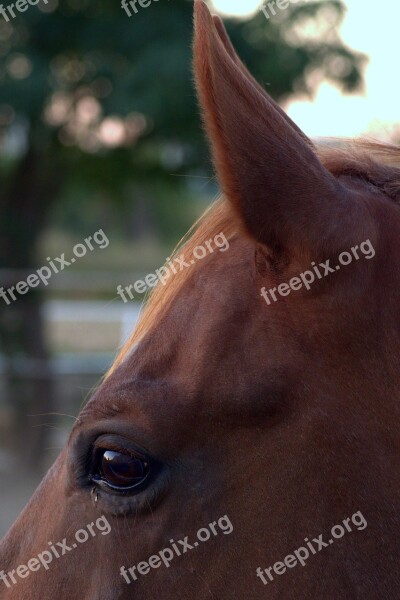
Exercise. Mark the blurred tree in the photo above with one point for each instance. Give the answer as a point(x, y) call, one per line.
point(92, 98)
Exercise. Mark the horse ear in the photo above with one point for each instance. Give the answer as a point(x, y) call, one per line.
point(219, 26)
point(267, 169)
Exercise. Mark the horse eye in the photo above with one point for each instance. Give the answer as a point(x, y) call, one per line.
point(120, 471)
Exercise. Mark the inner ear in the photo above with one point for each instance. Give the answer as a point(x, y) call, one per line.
point(270, 261)
point(219, 25)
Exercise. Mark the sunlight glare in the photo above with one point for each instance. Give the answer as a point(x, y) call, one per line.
point(236, 8)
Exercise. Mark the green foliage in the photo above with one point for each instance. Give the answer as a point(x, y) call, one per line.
point(69, 67)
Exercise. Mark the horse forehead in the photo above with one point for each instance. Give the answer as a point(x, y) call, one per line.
point(215, 298)
point(218, 289)
point(225, 279)
point(168, 361)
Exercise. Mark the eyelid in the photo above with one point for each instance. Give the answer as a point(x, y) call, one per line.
point(121, 489)
point(115, 447)
point(119, 444)
point(122, 430)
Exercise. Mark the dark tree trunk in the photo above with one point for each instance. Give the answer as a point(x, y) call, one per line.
point(24, 207)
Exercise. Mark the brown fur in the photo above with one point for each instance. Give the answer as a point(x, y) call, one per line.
point(369, 161)
point(283, 417)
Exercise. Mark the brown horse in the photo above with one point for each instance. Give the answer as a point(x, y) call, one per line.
point(239, 447)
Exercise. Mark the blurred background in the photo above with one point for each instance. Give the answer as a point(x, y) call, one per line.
point(100, 129)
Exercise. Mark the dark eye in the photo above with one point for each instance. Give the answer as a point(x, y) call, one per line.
point(120, 471)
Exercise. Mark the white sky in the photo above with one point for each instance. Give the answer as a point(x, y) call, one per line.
point(372, 29)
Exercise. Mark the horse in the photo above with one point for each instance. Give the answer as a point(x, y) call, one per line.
point(245, 443)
